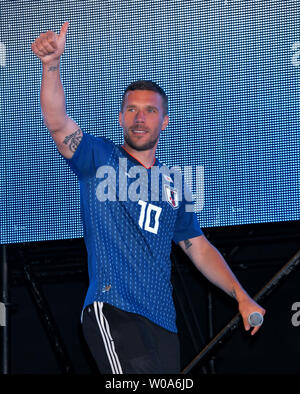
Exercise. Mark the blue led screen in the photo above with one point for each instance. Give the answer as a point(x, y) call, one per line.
point(230, 69)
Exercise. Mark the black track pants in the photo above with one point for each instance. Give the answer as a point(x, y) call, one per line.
point(126, 343)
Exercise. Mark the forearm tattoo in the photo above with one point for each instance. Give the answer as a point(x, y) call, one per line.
point(187, 243)
point(233, 293)
point(53, 68)
point(73, 140)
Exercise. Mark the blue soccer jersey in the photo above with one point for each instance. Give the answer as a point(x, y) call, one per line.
point(130, 216)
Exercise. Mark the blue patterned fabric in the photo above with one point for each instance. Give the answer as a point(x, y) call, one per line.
point(128, 229)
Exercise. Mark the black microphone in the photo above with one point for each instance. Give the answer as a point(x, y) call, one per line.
point(255, 319)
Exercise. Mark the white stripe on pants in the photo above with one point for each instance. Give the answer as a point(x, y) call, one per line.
point(107, 339)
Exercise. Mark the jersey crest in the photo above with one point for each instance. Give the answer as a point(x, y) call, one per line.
point(171, 195)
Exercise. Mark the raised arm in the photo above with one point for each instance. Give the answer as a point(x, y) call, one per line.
point(49, 47)
point(211, 264)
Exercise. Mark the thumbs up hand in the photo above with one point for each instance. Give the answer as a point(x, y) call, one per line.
point(49, 47)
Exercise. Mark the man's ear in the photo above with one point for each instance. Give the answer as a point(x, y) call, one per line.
point(120, 118)
point(165, 122)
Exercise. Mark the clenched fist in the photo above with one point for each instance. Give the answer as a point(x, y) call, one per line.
point(48, 47)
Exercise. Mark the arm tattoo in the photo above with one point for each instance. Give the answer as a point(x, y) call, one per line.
point(187, 243)
point(233, 293)
point(53, 68)
point(73, 140)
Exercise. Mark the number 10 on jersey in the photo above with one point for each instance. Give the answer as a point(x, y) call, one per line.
point(147, 212)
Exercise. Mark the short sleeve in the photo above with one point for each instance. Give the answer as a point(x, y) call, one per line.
point(91, 153)
point(186, 225)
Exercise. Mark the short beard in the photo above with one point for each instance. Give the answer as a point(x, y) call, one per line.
point(147, 146)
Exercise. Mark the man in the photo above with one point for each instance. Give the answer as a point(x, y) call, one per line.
point(129, 316)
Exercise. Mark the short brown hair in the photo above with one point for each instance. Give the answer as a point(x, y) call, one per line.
point(147, 85)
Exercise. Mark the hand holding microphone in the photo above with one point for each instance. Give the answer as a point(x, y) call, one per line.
point(252, 313)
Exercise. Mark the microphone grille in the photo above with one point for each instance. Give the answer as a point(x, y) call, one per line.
point(255, 319)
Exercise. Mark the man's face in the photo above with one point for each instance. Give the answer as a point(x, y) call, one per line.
point(142, 119)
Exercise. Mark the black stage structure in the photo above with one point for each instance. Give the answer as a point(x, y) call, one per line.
point(43, 286)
